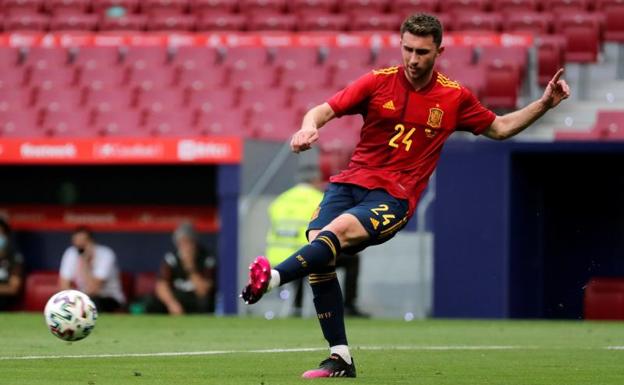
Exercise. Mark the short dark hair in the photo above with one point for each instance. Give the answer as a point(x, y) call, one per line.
point(85, 230)
point(5, 227)
point(422, 24)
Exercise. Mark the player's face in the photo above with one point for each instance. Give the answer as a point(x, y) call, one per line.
point(419, 56)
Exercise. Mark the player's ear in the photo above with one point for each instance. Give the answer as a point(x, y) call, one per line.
point(440, 50)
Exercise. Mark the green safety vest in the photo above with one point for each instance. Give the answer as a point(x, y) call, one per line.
point(290, 214)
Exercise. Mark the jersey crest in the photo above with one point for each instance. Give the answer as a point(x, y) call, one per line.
point(435, 117)
point(386, 71)
point(389, 105)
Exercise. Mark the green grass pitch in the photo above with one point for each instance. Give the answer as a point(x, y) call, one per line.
point(127, 349)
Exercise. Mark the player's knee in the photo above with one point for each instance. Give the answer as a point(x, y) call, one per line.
point(348, 229)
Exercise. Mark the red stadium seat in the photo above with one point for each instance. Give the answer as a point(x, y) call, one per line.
point(369, 6)
point(195, 57)
point(74, 22)
point(516, 56)
point(275, 125)
point(53, 77)
point(343, 76)
point(272, 22)
point(246, 58)
point(613, 11)
point(150, 78)
point(469, 76)
point(168, 6)
point(68, 99)
point(41, 57)
point(315, 77)
point(252, 78)
point(15, 99)
point(295, 57)
point(213, 6)
point(403, 7)
point(531, 22)
point(463, 6)
point(323, 22)
point(510, 7)
point(501, 86)
point(376, 22)
point(100, 6)
point(9, 57)
point(144, 284)
point(11, 77)
point(171, 23)
point(254, 6)
point(264, 100)
point(610, 124)
point(119, 123)
point(39, 287)
point(304, 6)
point(159, 100)
point(348, 57)
point(33, 22)
point(389, 57)
point(129, 22)
point(341, 134)
point(550, 57)
point(20, 123)
point(211, 101)
point(302, 101)
point(105, 100)
point(560, 6)
point(222, 123)
point(604, 299)
point(171, 123)
point(100, 78)
point(60, 7)
point(97, 57)
point(582, 32)
point(32, 6)
point(202, 78)
point(478, 21)
point(142, 57)
point(74, 123)
point(221, 22)
point(457, 55)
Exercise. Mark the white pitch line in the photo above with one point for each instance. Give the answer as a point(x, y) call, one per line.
point(258, 351)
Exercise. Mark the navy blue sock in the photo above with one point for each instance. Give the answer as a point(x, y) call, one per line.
point(313, 257)
point(329, 306)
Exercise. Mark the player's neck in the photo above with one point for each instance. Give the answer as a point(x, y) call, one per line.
point(421, 82)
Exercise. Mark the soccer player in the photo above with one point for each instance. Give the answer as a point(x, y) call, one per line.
point(409, 111)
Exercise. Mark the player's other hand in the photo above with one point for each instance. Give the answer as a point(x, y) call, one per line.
point(556, 91)
point(302, 140)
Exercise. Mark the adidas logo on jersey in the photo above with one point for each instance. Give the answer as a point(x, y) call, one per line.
point(389, 105)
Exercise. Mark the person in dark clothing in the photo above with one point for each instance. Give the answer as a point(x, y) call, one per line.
point(11, 268)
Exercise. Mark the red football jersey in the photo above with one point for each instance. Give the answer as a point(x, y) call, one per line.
point(404, 130)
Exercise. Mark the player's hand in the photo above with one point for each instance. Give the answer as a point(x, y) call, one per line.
point(175, 308)
point(556, 91)
point(302, 140)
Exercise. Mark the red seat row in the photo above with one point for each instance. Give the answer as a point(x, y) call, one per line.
point(609, 126)
point(41, 285)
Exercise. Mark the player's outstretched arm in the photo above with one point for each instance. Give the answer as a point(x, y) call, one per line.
point(314, 119)
point(510, 124)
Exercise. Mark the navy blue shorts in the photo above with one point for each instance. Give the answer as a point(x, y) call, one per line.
point(381, 214)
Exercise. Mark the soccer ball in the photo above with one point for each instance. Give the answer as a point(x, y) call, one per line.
point(70, 315)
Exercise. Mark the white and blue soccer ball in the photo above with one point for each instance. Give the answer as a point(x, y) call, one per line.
point(70, 315)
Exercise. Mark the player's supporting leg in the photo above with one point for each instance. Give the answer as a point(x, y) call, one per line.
point(330, 311)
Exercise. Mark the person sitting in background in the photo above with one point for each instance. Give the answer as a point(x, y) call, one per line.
point(92, 269)
point(186, 283)
point(11, 268)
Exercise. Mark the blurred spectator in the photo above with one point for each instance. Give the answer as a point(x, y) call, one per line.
point(92, 269)
point(186, 283)
point(290, 214)
point(11, 268)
